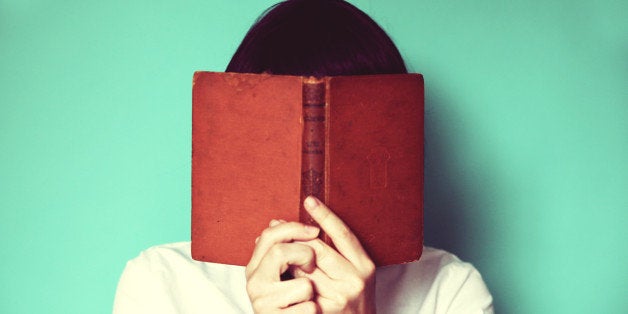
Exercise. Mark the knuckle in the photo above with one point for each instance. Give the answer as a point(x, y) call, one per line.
point(249, 270)
point(305, 285)
point(253, 288)
point(368, 269)
point(319, 252)
point(311, 255)
point(358, 286)
point(355, 287)
point(344, 232)
point(277, 251)
point(315, 244)
point(265, 235)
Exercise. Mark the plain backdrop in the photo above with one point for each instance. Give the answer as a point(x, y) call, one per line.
point(526, 141)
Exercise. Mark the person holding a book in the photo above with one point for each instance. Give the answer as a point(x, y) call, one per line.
point(290, 270)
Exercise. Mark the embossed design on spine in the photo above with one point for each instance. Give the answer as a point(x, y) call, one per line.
point(313, 146)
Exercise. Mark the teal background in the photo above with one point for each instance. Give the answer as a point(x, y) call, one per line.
point(526, 141)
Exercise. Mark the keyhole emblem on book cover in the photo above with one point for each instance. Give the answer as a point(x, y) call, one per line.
point(312, 183)
point(378, 167)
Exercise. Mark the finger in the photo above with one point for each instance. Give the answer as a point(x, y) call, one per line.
point(345, 241)
point(302, 308)
point(336, 291)
point(272, 223)
point(329, 260)
point(286, 293)
point(323, 285)
point(282, 255)
point(283, 294)
point(279, 233)
point(296, 291)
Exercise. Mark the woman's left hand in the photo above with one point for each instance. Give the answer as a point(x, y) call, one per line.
point(344, 279)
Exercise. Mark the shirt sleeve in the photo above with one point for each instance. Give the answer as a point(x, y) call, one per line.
point(165, 279)
point(142, 289)
point(459, 289)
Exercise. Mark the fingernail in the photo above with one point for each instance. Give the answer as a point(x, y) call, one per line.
point(273, 223)
point(311, 202)
point(256, 240)
point(311, 229)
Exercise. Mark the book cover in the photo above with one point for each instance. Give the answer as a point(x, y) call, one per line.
point(261, 143)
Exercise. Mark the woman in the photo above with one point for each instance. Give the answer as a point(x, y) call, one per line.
point(319, 38)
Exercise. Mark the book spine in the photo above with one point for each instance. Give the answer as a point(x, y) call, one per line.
point(313, 146)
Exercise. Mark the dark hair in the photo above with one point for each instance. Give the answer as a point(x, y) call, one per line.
point(319, 38)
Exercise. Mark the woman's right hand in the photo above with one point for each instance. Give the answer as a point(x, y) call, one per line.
point(274, 253)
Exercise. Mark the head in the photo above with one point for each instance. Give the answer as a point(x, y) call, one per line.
point(317, 38)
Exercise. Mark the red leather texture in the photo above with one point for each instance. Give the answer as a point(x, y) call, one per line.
point(247, 138)
point(376, 162)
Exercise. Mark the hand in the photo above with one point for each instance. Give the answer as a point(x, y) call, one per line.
point(275, 251)
point(344, 280)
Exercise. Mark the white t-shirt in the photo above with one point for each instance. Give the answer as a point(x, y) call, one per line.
point(165, 279)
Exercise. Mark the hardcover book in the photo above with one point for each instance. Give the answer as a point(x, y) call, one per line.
point(261, 143)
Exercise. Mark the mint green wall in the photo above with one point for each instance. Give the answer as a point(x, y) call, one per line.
point(527, 141)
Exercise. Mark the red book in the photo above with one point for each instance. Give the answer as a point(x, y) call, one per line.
point(261, 143)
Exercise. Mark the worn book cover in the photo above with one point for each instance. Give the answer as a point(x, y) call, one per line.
point(261, 143)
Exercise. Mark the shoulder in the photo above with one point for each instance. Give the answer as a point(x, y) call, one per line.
point(163, 256)
point(444, 266)
point(438, 283)
point(165, 279)
point(173, 262)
